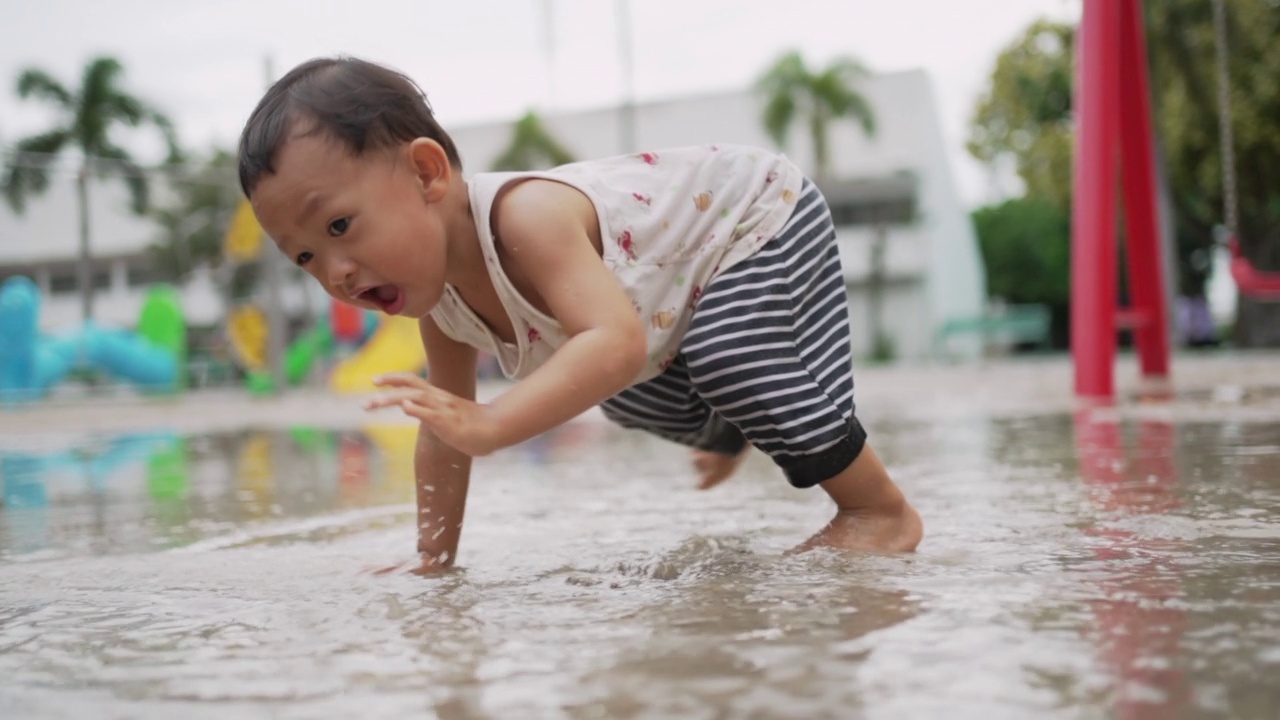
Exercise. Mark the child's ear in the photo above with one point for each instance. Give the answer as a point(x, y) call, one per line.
point(431, 165)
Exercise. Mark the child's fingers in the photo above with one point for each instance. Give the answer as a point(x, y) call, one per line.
point(401, 380)
point(442, 422)
point(387, 570)
point(421, 412)
point(390, 398)
point(709, 481)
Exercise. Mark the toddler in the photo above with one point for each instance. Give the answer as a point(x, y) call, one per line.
point(694, 293)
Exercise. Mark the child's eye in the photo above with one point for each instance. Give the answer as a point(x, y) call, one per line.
point(339, 227)
point(303, 258)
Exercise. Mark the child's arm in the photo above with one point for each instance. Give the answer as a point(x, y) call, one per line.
point(442, 472)
point(545, 229)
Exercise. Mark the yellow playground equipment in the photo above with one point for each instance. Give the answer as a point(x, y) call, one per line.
point(393, 346)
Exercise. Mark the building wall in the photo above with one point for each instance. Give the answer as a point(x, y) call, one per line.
point(49, 229)
point(933, 270)
point(43, 243)
point(906, 315)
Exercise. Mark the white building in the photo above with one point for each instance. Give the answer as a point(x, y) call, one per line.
point(43, 244)
point(931, 268)
point(896, 185)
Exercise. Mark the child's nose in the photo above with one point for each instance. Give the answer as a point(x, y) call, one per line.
point(341, 269)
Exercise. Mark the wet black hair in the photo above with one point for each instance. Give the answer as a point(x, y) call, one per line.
point(363, 105)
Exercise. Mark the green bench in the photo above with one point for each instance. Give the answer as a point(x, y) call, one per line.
point(1008, 325)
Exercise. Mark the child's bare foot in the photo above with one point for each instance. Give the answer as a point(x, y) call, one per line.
point(871, 512)
point(870, 531)
point(425, 564)
point(714, 468)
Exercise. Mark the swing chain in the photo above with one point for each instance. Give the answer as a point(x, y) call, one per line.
point(1230, 203)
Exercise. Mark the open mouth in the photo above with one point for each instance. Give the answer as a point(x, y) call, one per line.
point(388, 298)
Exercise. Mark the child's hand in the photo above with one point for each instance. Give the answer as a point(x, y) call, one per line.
point(463, 424)
point(424, 566)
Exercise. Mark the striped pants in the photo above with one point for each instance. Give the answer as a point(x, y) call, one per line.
point(766, 359)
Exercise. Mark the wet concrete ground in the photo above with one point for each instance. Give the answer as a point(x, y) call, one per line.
point(209, 556)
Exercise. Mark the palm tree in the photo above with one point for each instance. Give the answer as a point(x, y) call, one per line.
point(88, 116)
point(205, 196)
point(532, 146)
point(791, 88)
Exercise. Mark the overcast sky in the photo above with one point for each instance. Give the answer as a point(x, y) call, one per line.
point(204, 62)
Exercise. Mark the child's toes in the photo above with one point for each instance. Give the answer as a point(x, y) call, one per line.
point(713, 468)
point(710, 481)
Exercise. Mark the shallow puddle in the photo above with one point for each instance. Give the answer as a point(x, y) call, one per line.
point(1075, 565)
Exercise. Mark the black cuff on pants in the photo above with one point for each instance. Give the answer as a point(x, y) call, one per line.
point(810, 470)
point(722, 436)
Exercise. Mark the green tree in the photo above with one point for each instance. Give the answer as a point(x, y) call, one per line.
point(1184, 78)
point(1026, 116)
point(1026, 248)
point(193, 225)
point(89, 115)
point(792, 89)
point(532, 147)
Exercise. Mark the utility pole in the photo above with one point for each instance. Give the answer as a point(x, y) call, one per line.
point(84, 268)
point(549, 51)
point(273, 274)
point(627, 111)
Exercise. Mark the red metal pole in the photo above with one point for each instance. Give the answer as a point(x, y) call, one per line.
point(1137, 152)
point(1093, 251)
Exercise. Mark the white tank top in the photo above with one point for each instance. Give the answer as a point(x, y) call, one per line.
point(669, 221)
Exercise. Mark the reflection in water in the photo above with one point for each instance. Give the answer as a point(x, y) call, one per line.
point(138, 491)
point(24, 500)
point(739, 631)
point(255, 474)
point(144, 490)
point(58, 494)
point(1139, 620)
point(1076, 566)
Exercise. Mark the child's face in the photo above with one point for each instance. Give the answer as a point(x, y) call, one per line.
point(363, 226)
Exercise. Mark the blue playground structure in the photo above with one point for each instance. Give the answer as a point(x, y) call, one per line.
point(31, 364)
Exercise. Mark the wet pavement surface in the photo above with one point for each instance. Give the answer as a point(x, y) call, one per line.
point(211, 557)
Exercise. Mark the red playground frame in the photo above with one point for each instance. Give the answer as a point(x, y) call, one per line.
point(1113, 111)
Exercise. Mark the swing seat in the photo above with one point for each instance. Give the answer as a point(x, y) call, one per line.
point(1252, 282)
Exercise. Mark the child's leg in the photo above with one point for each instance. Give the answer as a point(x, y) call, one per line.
point(769, 351)
point(871, 512)
point(866, 499)
point(668, 406)
point(714, 467)
point(665, 406)
point(719, 451)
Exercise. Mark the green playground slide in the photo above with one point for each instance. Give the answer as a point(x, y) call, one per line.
point(162, 324)
point(298, 358)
